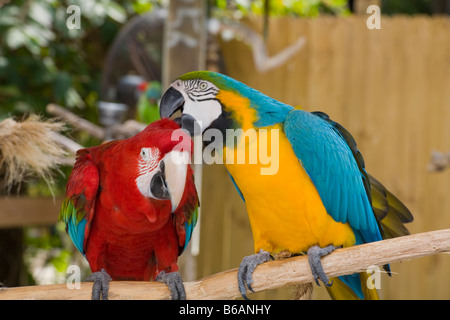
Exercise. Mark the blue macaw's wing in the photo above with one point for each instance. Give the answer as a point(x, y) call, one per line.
point(391, 213)
point(236, 186)
point(334, 170)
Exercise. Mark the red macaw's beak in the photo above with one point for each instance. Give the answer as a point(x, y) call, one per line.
point(175, 170)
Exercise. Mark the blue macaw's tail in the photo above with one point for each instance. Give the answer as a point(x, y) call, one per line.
point(352, 287)
point(392, 215)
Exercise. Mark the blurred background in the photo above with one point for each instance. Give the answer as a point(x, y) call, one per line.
point(107, 62)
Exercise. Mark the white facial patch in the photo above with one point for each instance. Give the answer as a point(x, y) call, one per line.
point(199, 100)
point(148, 163)
point(204, 112)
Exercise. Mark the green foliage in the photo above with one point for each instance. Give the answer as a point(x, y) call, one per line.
point(408, 7)
point(299, 8)
point(52, 250)
point(44, 247)
point(43, 61)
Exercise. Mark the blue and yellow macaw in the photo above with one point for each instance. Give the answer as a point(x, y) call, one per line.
point(320, 196)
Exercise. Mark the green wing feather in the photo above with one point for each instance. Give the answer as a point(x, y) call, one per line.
point(77, 209)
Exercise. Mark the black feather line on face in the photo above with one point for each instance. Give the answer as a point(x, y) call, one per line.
point(222, 123)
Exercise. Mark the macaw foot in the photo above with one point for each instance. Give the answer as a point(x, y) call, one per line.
point(246, 269)
point(314, 254)
point(175, 284)
point(101, 281)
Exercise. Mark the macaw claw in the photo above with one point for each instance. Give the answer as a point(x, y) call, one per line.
point(314, 254)
point(101, 281)
point(175, 284)
point(246, 269)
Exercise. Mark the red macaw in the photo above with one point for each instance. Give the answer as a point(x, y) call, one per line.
point(131, 207)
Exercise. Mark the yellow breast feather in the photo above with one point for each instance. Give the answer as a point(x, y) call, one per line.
point(284, 208)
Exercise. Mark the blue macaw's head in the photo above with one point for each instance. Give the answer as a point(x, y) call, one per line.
point(202, 100)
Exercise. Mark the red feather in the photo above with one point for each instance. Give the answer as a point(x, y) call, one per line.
point(131, 236)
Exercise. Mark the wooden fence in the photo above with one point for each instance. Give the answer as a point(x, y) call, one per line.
point(391, 89)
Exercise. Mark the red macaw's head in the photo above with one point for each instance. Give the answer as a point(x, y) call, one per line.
point(156, 162)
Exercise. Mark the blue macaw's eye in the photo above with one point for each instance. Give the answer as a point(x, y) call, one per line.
point(203, 85)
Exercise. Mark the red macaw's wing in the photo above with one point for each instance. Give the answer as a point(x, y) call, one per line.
point(77, 210)
point(185, 217)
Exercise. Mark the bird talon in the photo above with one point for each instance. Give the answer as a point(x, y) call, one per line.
point(100, 287)
point(175, 283)
point(314, 255)
point(246, 269)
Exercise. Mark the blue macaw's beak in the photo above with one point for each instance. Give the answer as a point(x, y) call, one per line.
point(173, 101)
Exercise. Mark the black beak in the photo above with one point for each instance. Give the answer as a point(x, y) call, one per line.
point(158, 185)
point(171, 102)
point(188, 123)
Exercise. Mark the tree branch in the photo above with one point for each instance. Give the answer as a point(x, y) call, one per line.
point(270, 275)
point(119, 131)
point(263, 62)
point(77, 122)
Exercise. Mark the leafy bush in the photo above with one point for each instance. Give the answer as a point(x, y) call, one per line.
point(43, 61)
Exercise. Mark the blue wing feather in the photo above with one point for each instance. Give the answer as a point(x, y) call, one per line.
point(77, 209)
point(76, 233)
point(339, 178)
point(75, 228)
point(329, 162)
point(189, 227)
point(237, 188)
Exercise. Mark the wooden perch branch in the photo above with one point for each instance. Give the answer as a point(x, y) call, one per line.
point(270, 275)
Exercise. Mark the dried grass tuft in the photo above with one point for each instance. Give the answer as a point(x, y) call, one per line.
point(27, 148)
